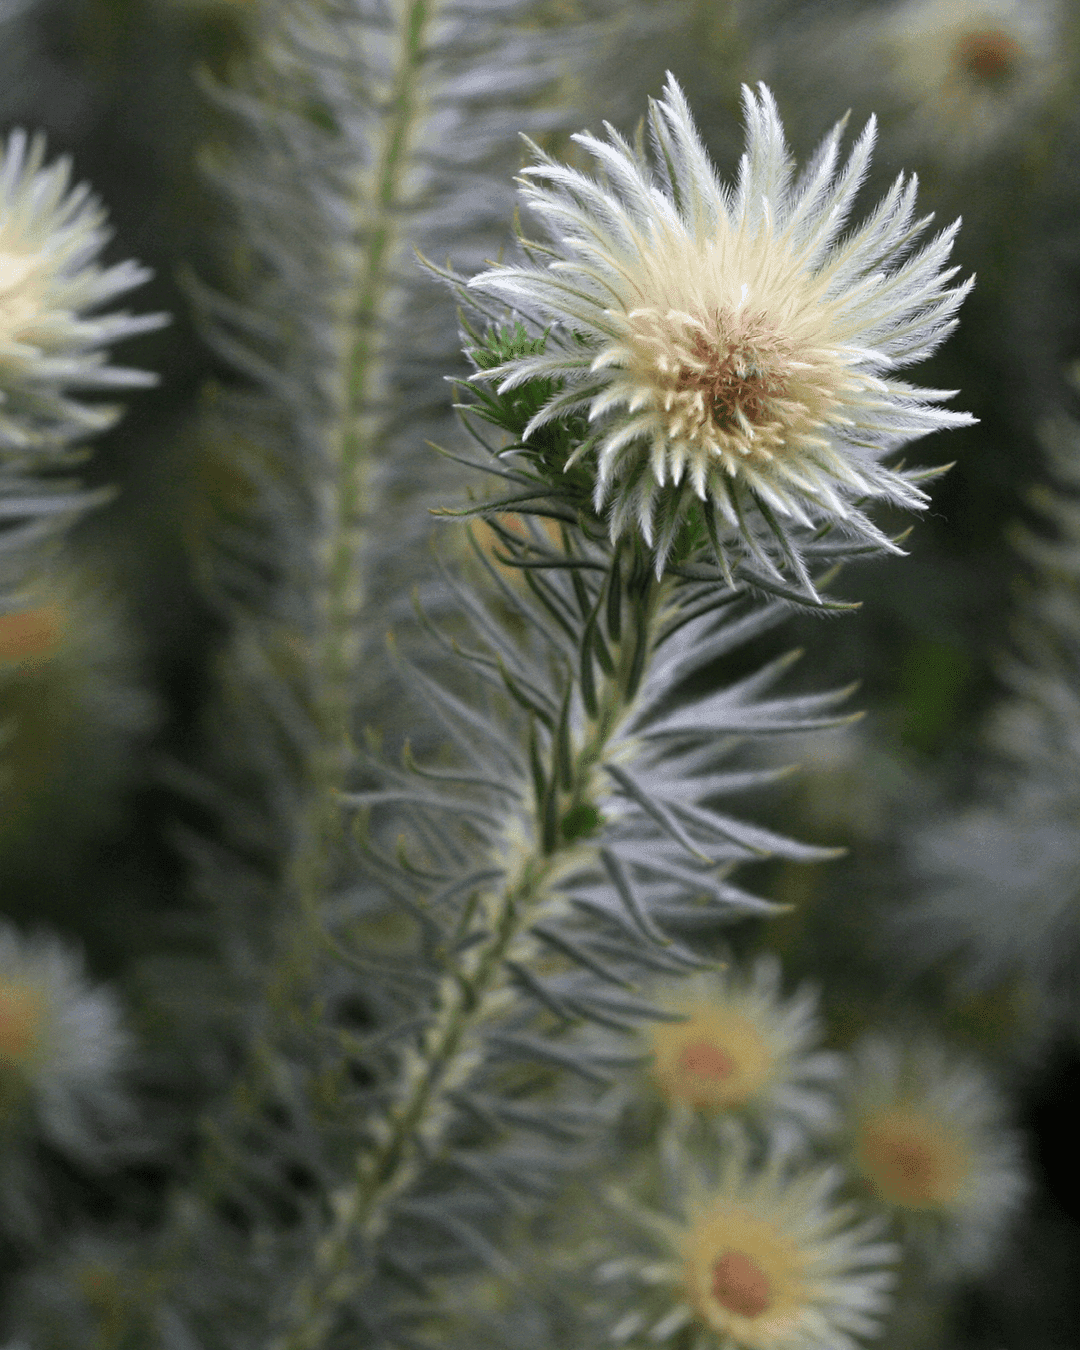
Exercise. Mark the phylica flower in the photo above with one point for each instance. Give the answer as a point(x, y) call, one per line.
point(61, 1045)
point(742, 1047)
point(928, 1137)
point(760, 1259)
point(973, 72)
point(72, 711)
point(735, 359)
point(51, 341)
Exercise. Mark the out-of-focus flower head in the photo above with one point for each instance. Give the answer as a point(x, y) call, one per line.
point(62, 1047)
point(971, 74)
point(999, 887)
point(71, 710)
point(759, 1257)
point(929, 1138)
point(732, 363)
point(999, 882)
point(743, 1047)
point(51, 340)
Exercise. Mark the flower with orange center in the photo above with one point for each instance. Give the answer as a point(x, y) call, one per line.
point(72, 711)
point(927, 1137)
point(742, 1045)
point(910, 1158)
point(742, 1275)
point(712, 1060)
point(737, 366)
point(973, 73)
point(760, 1258)
point(989, 55)
point(61, 1045)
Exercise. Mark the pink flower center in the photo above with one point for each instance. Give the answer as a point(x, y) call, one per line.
point(740, 1285)
point(990, 57)
point(706, 1061)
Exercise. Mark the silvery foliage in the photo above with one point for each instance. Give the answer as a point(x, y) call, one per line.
point(307, 187)
point(414, 1044)
point(999, 882)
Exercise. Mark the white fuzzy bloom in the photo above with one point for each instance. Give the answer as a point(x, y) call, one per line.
point(61, 1046)
point(755, 1258)
point(971, 74)
point(734, 354)
point(51, 339)
point(743, 1047)
point(927, 1134)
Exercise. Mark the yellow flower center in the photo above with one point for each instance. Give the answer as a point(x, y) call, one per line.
point(727, 382)
point(911, 1159)
point(740, 1285)
point(20, 293)
point(989, 57)
point(743, 1276)
point(716, 1060)
point(20, 1022)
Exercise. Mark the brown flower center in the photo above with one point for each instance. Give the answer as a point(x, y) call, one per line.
point(989, 57)
point(728, 385)
point(740, 1285)
point(907, 1165)
point(706, 1061)
point(735, 379)
point(29, 632)
point(19, 1019)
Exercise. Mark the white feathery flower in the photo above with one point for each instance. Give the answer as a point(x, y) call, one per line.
point(755, 1258)
point(742, 1047)
point(972, 73)
point(734, 354)
point(51, 339)
point(927, 1136)
point(61, 1046)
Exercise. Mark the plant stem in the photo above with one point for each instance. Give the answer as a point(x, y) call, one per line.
point(472, 994)
point(340, 471)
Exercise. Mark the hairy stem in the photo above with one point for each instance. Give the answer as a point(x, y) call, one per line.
point(341, 482)
point(475, 990)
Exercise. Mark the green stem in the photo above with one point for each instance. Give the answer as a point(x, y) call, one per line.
point(472, 994)
point(335, 659)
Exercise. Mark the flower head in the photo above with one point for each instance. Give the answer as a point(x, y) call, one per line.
point(71, 711)
point(764, 1258)
point(972, 73)
point(735, 361)
point(742, 1046)
point(927, 1137)
point(50, 340)
point(61, 1044)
